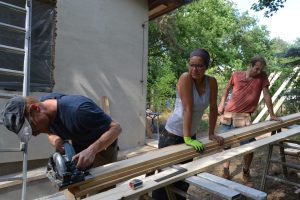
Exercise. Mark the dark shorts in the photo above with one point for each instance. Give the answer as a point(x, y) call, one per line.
point(168, 139)
point(107, 156)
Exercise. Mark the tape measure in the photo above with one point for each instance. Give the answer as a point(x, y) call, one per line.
point(135, 184)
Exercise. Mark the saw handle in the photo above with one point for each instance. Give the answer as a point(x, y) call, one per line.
point(69, 150)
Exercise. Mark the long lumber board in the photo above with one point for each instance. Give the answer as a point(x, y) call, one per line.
point(124, 192)
point(111, 174)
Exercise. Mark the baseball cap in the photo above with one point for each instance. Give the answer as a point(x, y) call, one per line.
point(13, 117)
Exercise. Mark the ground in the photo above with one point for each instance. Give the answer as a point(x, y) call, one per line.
point(275, 190)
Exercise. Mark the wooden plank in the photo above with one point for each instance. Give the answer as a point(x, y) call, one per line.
point(105, 104)
point(194, 167)
point(292, 144)
point(277, 106)
point(178, 169)
point(274, 97)
point(271, 75)
point(244, 190)
point(114, 173)
point(111, 174)
point(32, 175)
point(292, 152)
point(282, 99)
point(68, 195)
point(213, 187)
point(272, 78)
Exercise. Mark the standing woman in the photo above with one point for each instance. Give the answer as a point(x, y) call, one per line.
point(195, 92)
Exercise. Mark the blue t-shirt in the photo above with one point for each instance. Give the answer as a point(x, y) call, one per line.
point(78, 119)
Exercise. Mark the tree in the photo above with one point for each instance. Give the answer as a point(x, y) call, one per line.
point(161, 89)
point(272, 6)
point(231, 38)
point(288, 58)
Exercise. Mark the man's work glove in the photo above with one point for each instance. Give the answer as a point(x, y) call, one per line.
point(194, 143)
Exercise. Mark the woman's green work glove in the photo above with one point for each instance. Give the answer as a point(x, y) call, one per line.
point(194, 143)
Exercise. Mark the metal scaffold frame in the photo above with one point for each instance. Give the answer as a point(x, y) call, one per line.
point(26, 51)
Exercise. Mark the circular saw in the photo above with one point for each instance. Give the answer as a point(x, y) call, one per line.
point(62, 171)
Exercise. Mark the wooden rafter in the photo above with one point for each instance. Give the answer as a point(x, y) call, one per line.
point(272, 78)
point(274, 97)
point(283, 98)
point(160, 7)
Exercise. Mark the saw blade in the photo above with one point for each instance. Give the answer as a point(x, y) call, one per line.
point(60, 165)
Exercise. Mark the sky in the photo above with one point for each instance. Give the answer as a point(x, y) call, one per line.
point(283, 23)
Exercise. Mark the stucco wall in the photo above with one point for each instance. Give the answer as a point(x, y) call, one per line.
point(101, 50)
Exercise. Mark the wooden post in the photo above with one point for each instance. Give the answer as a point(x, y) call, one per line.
point(105, 104)
point(69, 195)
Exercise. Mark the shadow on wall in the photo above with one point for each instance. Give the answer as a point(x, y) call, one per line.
point(126, 102)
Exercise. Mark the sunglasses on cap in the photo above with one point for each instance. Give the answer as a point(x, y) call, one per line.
point(25, 132)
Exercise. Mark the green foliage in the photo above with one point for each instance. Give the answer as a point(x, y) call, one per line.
point(271, 6)
point(289, 58)
point(165, 87)
point(292, 102)
point(231, 38)
point(161, 82)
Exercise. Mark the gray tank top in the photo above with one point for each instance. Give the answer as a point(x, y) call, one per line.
point(175, 121)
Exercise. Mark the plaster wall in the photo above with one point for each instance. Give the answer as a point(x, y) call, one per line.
point(101, 50)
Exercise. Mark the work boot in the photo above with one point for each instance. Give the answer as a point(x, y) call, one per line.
point(226, 173)
point(247, 177)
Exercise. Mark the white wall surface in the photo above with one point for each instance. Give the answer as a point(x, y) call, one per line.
point(101, 50)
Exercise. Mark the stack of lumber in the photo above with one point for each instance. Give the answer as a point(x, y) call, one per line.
point(192, 168)
point(111, 174)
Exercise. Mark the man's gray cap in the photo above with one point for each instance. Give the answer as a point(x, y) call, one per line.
point(13, 114)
